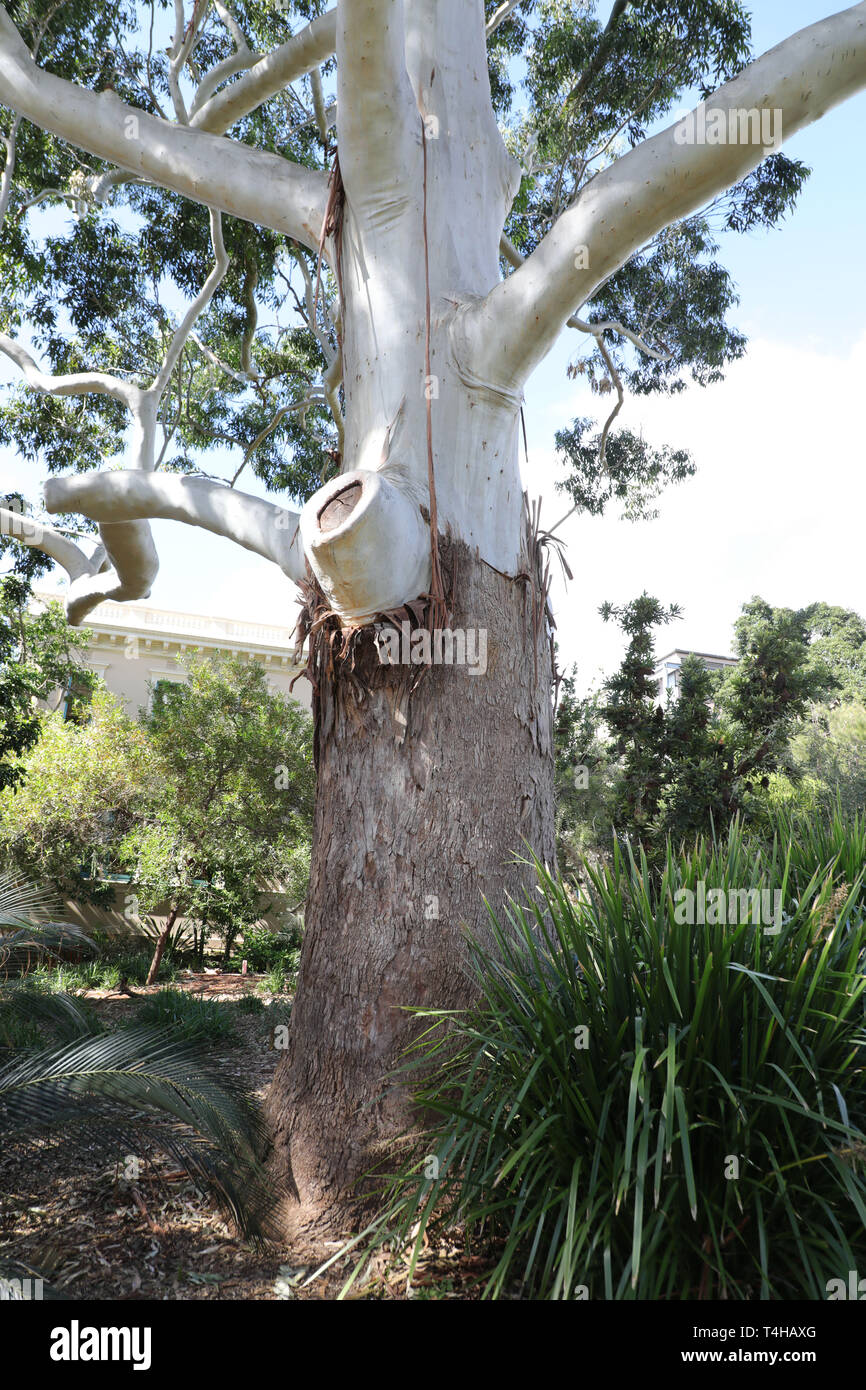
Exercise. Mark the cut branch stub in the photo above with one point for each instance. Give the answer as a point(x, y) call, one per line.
point(367, 543)
point(335, 512)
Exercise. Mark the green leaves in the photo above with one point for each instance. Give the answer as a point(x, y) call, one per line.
point(39, 653)
point(110, 1089)
point(208, 805)
point(632, 472)
point(643, 1108)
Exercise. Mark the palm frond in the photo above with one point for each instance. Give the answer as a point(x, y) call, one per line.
point(112, 1089)
point(21, 903)
point(30, 946)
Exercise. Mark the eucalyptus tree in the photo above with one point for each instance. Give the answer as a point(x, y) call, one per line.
point(421, 196)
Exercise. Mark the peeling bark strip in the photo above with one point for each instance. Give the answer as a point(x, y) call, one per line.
point(425, 796)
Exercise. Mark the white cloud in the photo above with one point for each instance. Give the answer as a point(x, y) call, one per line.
point(776, 506)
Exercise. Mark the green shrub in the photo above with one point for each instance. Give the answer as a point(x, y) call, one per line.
point(279, 978)
point(249, 1004)
point(264, 950)
point(622, 1067)
point(204, 1020)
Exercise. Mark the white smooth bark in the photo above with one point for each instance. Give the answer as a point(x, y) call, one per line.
point(427, 185)
point(29, 531)
point(72, 384)
point(358, 575)
point(269, 74)
point(134, 564)
point(655, 184)
point(123, 495)
point(248, 183)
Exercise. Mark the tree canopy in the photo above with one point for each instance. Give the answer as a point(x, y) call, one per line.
point(40, 655)
point(206, 805)
point(250, 388)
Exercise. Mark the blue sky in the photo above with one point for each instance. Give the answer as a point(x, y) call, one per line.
point(776, 507)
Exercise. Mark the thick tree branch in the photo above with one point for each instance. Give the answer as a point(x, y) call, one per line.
point(252, 184)
point(28, 531)
point(499, 16)
point(516, 258)
point(131, 496)
point(663, 180)
point(379, 121)
point(8, 167)
point(127, 548)
point(72, 384)
point(269, 74)
point(134, 565)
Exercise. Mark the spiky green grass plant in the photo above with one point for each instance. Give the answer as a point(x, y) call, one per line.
point(643, 1108)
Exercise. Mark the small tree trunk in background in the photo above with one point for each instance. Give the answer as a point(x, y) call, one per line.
point(423, 801)
point(161, 943)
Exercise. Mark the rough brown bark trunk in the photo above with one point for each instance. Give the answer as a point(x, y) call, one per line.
point(161, 943)
point(423, 800)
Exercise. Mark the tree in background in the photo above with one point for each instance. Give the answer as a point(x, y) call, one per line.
point(764, 698)
point(686, 768)
point(83, 785)
point(728, 731)
point(634, 716)
point(825, 765)
point(207, 805)
point(837, 641)
point(582, 776)
point(239, 766)
point(697, 764)
point(40, 656)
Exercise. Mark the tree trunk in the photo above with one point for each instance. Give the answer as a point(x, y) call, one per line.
point(424, 797)
point(425, 793)
point(161, 943)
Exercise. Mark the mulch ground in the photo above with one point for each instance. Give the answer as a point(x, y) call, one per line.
point(102, 1235)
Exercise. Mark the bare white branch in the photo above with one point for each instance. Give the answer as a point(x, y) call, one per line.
point(253, 184)
point(500, 15)
point(659, 182)
point(133, 566)
point(29, 531)
point(270, 73)
point(8, 167)
point(72, 384)
point(127, 496)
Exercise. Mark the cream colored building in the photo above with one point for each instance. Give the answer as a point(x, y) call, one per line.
point(133, 646)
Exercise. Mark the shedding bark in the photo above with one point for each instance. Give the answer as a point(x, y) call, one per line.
point(433, 784)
